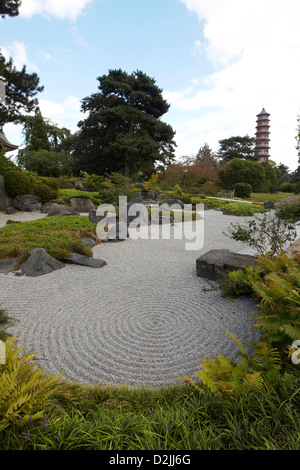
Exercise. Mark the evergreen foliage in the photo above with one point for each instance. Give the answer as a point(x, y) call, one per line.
point(38, 136)
point(123, 131)
point(9, 7)
point(21, 91)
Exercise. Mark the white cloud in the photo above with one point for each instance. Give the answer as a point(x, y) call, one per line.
point(255, 50)
point(65, 114)
point(59, 9)
point(17, 50)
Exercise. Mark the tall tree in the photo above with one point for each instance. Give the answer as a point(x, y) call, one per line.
point(56, 135)
point(38, 138)
point(123, 131)
point(242, 147)
point(9, 7)
point(21, 91)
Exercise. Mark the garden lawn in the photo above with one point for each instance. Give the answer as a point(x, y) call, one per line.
point(59, 236)
point(233, 207)
point(261, 197)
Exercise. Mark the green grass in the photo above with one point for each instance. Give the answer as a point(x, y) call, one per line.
point(234, 207)
point(173, 417)
point(261, 197)
point(59, 236)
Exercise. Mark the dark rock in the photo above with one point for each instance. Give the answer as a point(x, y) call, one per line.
point(268, 204)
point(95, 218)
point(117, 232)
point(8, 265)
point(28, 203)
point(48, 207)
point(39, 262)
point(163, 219)
point(137, 211)
point(152, 195)
point(214, 262)
point(173, 202)
point(11, 210)
point(75, 258)
point(65, 212)
point(89, 241)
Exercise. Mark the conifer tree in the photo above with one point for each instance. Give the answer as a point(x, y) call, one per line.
point(123, 131)
point(38, 138)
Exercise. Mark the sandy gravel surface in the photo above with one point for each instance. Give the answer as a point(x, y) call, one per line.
point(145, 318)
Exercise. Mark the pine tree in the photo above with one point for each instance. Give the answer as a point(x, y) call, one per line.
point(123, 131)
point(38, 138)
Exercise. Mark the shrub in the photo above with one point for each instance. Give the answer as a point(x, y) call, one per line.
point(44, 192)
point(53, 183)
point(297, 187)
point(242, 190)
point(17, 183)
point(5, 163)
point(268, 235)
point(66, 184)
point(287, 187)
point(289, 208)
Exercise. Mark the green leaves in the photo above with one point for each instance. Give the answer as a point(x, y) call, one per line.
point(123, 131)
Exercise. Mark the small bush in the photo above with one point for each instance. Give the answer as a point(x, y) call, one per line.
point(17, 183)
point(45, 192)
point(289, 208)
point(66, 184)
point(53, 183)
point(242, 190)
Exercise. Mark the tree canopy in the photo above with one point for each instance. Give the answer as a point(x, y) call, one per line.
point(9, 7)
point(242, 147)
point(123, 131)
point(21, 91)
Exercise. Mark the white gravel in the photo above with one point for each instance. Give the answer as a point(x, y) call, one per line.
point(145, 318)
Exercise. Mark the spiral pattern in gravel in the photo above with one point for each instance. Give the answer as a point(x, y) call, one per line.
point(142, 319)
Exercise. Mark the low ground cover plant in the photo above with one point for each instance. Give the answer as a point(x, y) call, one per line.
point(59, 236)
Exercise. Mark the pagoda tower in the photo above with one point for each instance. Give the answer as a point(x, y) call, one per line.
point(262, 136)
point(3, 139)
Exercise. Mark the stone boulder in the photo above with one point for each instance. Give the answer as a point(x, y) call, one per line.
point(48, 207)
point(39, 262)
point(69, 211)
point(82, 260)
point(152, 195)
point(89, 241)
point(214, 262)
point(137, 211)
point(82, 204)
point(28, 203)
point(8, 265)
point(117, 232)
point(174, 202)
point(269, 204)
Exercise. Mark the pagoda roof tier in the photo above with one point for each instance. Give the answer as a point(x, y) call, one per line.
point(6, 144)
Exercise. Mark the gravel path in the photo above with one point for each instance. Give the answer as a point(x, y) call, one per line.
point(145, 318)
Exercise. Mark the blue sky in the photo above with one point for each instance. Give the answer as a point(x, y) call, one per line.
point(218, 62)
